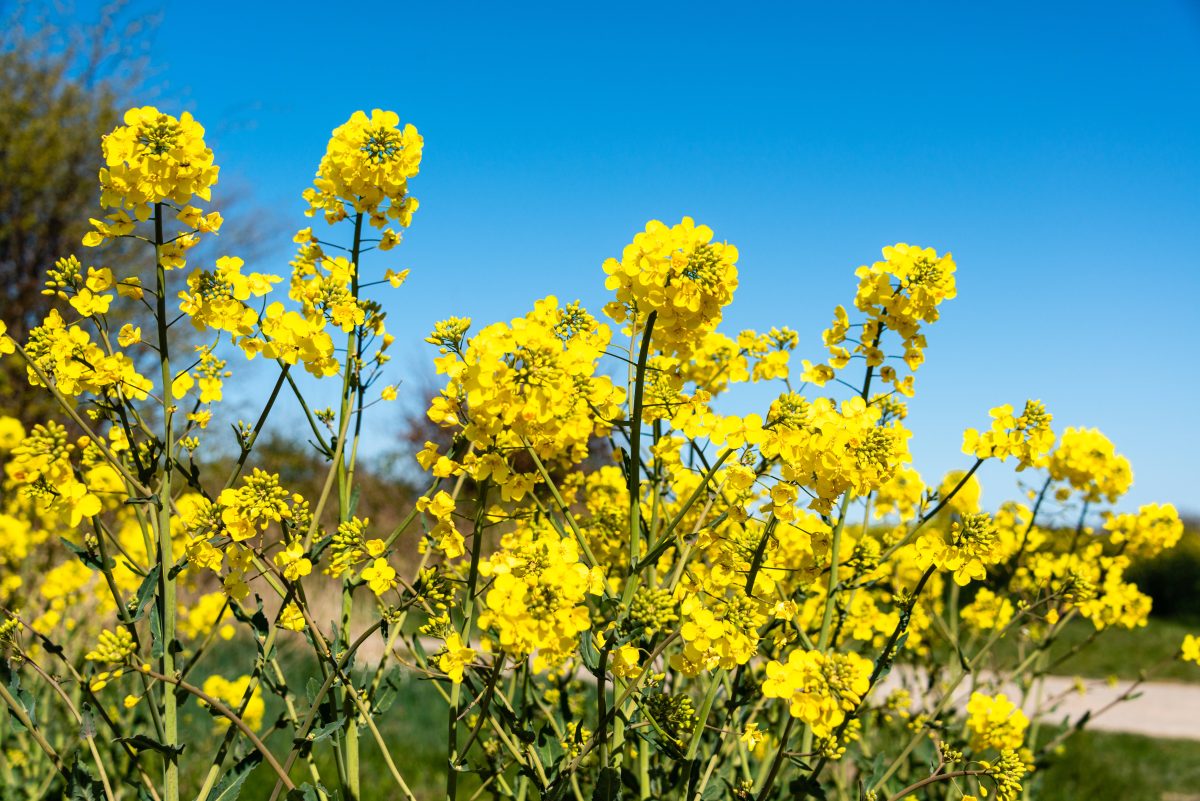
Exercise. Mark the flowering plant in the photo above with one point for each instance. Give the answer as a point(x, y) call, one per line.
point(766, 605)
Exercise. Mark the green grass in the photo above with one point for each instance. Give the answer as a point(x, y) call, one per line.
point(1121, 767)
point(1123, 653)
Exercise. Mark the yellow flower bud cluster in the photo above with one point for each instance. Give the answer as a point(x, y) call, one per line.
point(1007, 773)
point(1089, 581)
point(724, 635)
point(350, 546)
point(680, 274)
point(675, 715)
point(987, 611)
point(113, 646)
point(533, 382)
point(253, 506)
point(41, 465)
point(322, 285)
point(1088, 461)
point(367, 166)
point(820, 688)
point(216, 299)
point(537, 602)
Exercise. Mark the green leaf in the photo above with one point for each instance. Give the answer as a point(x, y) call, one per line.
point(81, 786)
point(305, 792)
point(877, 769)
point(156, 633)
point(87, 723)
point(145, 592)
point(549, 749)
point(389, 691)
point(231, 783)
point(608, 785)
point(140, 742)
point(12, 680)
point(587, 650)
point(89, 559)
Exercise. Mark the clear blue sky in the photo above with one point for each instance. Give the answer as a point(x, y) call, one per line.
point(1053, 148)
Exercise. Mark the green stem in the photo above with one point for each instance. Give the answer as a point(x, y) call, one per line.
point(467, 630)
point(351, 396)
point(165, 558)
point(635, 449)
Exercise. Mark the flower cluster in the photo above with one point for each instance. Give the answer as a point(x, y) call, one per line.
point(76, 365)
point(1087, 460)
point(995, 722)
point(966, 549)
point(531, 384)
point(900, 293)
point(1154, 529)
point(680, 275)
point(367, 166)
point(152, 158)
point(820, 688)
point(1027, 437)
point(831, 450)
point(536, 604)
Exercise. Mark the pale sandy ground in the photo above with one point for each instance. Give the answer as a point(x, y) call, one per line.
point(1158, 709)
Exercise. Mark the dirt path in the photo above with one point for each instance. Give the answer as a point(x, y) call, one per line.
point(1154, 709)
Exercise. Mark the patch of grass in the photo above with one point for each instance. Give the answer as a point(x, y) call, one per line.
point(1122, 767)
point(1123, 653)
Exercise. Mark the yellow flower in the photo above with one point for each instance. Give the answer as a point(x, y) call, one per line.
point(380, 576)
point(11, 432)
point(1189, 651)
point(292, 561)
point(1027, 437)
point(455, 657)
point(129, 335)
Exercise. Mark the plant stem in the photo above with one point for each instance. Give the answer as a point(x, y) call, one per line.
point(166, 560)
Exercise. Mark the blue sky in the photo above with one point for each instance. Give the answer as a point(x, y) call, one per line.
point(1053, 148)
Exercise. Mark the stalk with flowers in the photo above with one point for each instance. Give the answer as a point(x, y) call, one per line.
point(751, 606)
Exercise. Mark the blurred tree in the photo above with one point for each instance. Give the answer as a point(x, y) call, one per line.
point(63, 84)
point(65, 81)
